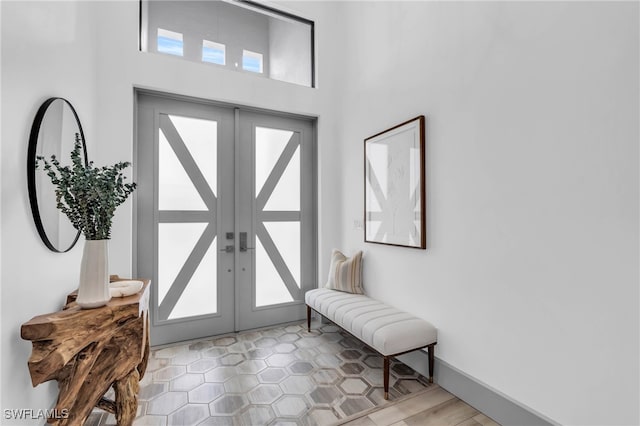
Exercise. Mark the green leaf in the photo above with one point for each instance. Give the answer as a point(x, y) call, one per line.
point(88, 195)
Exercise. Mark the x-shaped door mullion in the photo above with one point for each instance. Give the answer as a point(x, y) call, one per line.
point(186, 272)
point(277, 171)
point(278, 261)
point(188, 163)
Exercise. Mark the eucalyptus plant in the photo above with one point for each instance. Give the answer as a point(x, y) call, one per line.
point(88, 195)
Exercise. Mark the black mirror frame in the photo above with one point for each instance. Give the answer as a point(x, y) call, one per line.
point(31, 170)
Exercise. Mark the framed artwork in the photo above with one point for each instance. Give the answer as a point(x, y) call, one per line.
point(394, 193)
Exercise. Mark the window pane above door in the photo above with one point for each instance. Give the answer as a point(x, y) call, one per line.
point(213, 52)
point(170, 42)
point(240, 36)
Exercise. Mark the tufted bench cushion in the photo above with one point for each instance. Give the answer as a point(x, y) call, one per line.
point(388, 330)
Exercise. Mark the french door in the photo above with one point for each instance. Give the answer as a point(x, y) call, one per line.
point(225, 216)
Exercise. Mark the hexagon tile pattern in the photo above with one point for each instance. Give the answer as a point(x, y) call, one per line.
point(282, 375)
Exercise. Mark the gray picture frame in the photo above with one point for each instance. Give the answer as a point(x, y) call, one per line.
point(394, 186)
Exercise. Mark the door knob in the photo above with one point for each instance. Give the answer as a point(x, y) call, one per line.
point(243, 242)
point(228, 249)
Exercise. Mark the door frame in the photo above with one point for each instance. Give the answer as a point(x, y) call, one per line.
point(313, 119)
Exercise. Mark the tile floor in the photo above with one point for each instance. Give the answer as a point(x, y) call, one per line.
point(278, 376)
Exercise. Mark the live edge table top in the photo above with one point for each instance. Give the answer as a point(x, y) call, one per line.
point(90, 350)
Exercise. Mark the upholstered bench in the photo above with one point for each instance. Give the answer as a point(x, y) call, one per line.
point(387, 330)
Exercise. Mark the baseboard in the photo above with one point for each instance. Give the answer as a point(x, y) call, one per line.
point(479, 395)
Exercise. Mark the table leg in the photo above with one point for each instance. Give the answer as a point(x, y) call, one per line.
point(127, 398)
point(142, 367)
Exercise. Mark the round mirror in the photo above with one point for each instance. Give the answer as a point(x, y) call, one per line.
point(53, 133)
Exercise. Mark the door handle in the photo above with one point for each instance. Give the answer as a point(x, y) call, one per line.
point(243, 242)
point(228, 249)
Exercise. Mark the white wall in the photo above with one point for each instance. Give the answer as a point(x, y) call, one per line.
point(87, 52)
point(531, 272)
point(47, 50)
point(1, 233)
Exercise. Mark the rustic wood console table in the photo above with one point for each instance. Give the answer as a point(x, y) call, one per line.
point(90, 350)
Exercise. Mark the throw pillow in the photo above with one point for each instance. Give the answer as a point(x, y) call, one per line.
point(345, 274)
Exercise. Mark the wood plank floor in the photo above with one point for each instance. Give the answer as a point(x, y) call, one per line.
point(434, 406)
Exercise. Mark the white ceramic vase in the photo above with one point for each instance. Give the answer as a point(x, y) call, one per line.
point(93, 289)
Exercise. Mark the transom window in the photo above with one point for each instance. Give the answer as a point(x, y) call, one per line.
point(213, 52)
point(242, 35)
point(170, 42)
point(251, 61)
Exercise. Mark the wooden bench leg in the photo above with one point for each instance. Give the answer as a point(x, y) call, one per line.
point(386, 377)
point(431, 350)
point(308, 318)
